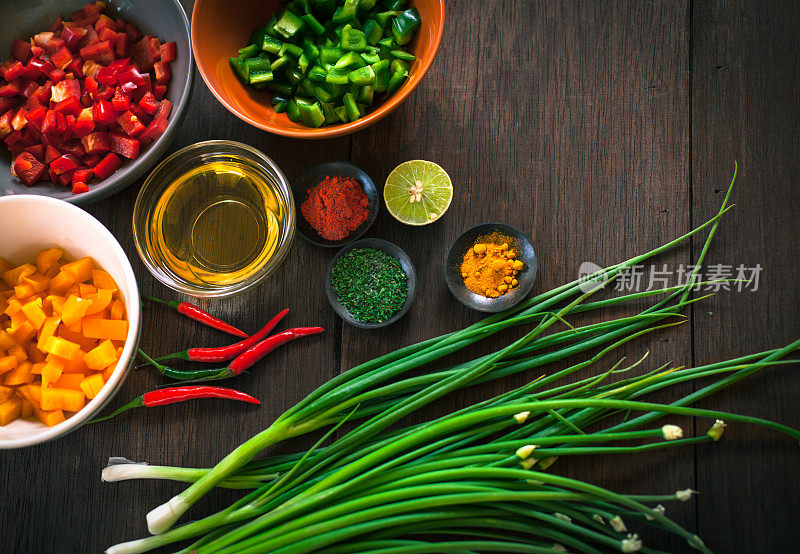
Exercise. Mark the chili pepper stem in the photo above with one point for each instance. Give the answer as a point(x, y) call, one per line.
point(170, 303)
point(137, 402)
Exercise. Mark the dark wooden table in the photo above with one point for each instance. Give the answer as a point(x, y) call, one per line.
point(600, 128)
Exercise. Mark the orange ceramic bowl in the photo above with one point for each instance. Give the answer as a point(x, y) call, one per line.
point(221, 27)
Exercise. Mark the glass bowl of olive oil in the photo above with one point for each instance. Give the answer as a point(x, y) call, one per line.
point(214, 219)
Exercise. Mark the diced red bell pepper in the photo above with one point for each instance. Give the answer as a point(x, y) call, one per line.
point(37, 150)
point(132, 75)
point(52, 176)
point(11, 88)
point(11, 69)
point(75, 67)
point(73, 33)
point(120, 24)
point(164, 107)
point(35, 117)
point(104, 92)
point(54, 123)
point(90, 69)
point(54, 45)
point(61, 57)
point(69, 106)
point(169, 51)
point(31, 71)
point(13, 138)
point(107, 75)
point(162, 72)
point(36, 51)
point(130, 124)
point(64, 164)
point(5, 123)
point(96, 143)
point(159, 91)
point(56, 75)
point(56, 26)
point(110, 35)
point(78, 186)
point(107, 166)
point(21, 50)
point(90, 84)
point(74, 148)
point(101, 52)
point(121, 101)
point(90, 13)
point(82, 175)
point(29, 88)
point(37, 67)
point(64, 89)
point(51, 153)
point(88, 39)
point(121, 45)
point(65, 179)
point(27, 168)
point(84, 124)
point(35, 135)
point(8, 103)
point(124, 146)
point(103, 112)
point(41, 39)
point(105, 22)
point(145, 52)
point(19, 121)
point(133, 32)
point(148, 103)
point(156, 128)
point(91, 160)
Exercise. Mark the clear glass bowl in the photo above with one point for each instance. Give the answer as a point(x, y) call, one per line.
point(214, 219)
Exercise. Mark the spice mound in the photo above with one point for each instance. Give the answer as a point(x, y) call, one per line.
point(336, 207)
point(490, 267)
point(370, 283)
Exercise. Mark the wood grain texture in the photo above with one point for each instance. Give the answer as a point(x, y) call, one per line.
point(744, 107)
point(571, 121)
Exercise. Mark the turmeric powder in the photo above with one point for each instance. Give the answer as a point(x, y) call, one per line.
point(490, 267)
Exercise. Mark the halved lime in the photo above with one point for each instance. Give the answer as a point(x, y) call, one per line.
point(418, 192)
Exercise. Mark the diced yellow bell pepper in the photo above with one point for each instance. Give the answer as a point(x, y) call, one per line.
point(49, 418)
point(69, 400)
point(10, 410)
point(47, 257)
point(100, 301)
point(60, 283)
point(7, 392)
point(54, 270)
point(38, 281)
point(20, 375)
point(100, 357)
point(33, 393)
point(87, 290)
point(92, 385)
point(51, 372)
point(61, 347)
point(13, 277)
point(69, 381)
point(114, 329)
point(117, 310)
point(80, 270)
point(23, 291)
point(73, 311)
point(37, 367)
point(14, 306)
point(19, 351)
point(49, 328)
point(3, 303)
point(103, 280)
point(6, 340)
point(34, 354)
point(5, 265)
point(35, 314)
point(27, 408)
point(7, 363)
point(77, 365)
point(24, 332)
point(109, 371)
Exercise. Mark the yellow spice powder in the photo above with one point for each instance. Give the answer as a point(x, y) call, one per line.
point(490, 267)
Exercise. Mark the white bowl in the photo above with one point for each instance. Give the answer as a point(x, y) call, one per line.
point(30, 223)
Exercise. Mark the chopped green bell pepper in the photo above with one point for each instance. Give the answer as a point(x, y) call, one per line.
point(350, 60)
point(350, 105)
point(293, 111)
point(362, 76)
point(289, 24)
point(405, 26)
point(271, 44)
point(312, 24)
point(330, 55)
point(353, 39)
point(337, 77)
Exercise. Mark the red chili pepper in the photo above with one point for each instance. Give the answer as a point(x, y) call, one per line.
point(193, 312)
point(225, 353)
point(170, 395)
point(243, 361)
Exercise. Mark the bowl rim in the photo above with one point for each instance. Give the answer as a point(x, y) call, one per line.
point(374, 208)
point(136, 168)
point(132, 307)
point(385, 246)
point(338, 130)
point(493, 304)
point(275, 261)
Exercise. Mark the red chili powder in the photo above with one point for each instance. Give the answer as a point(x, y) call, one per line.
point(336, 207)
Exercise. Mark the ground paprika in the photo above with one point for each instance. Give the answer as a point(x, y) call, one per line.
point(336, 207)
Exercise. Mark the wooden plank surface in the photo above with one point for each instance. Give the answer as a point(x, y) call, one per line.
point(601, 130)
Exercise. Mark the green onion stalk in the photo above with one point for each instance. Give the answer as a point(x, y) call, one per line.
point(375, 487)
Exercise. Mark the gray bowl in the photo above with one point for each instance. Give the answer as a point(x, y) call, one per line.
point(311, 178)
point(526, 277)
point(162, 18)
point(405, 263)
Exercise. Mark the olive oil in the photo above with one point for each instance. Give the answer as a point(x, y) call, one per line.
point(217, 224)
